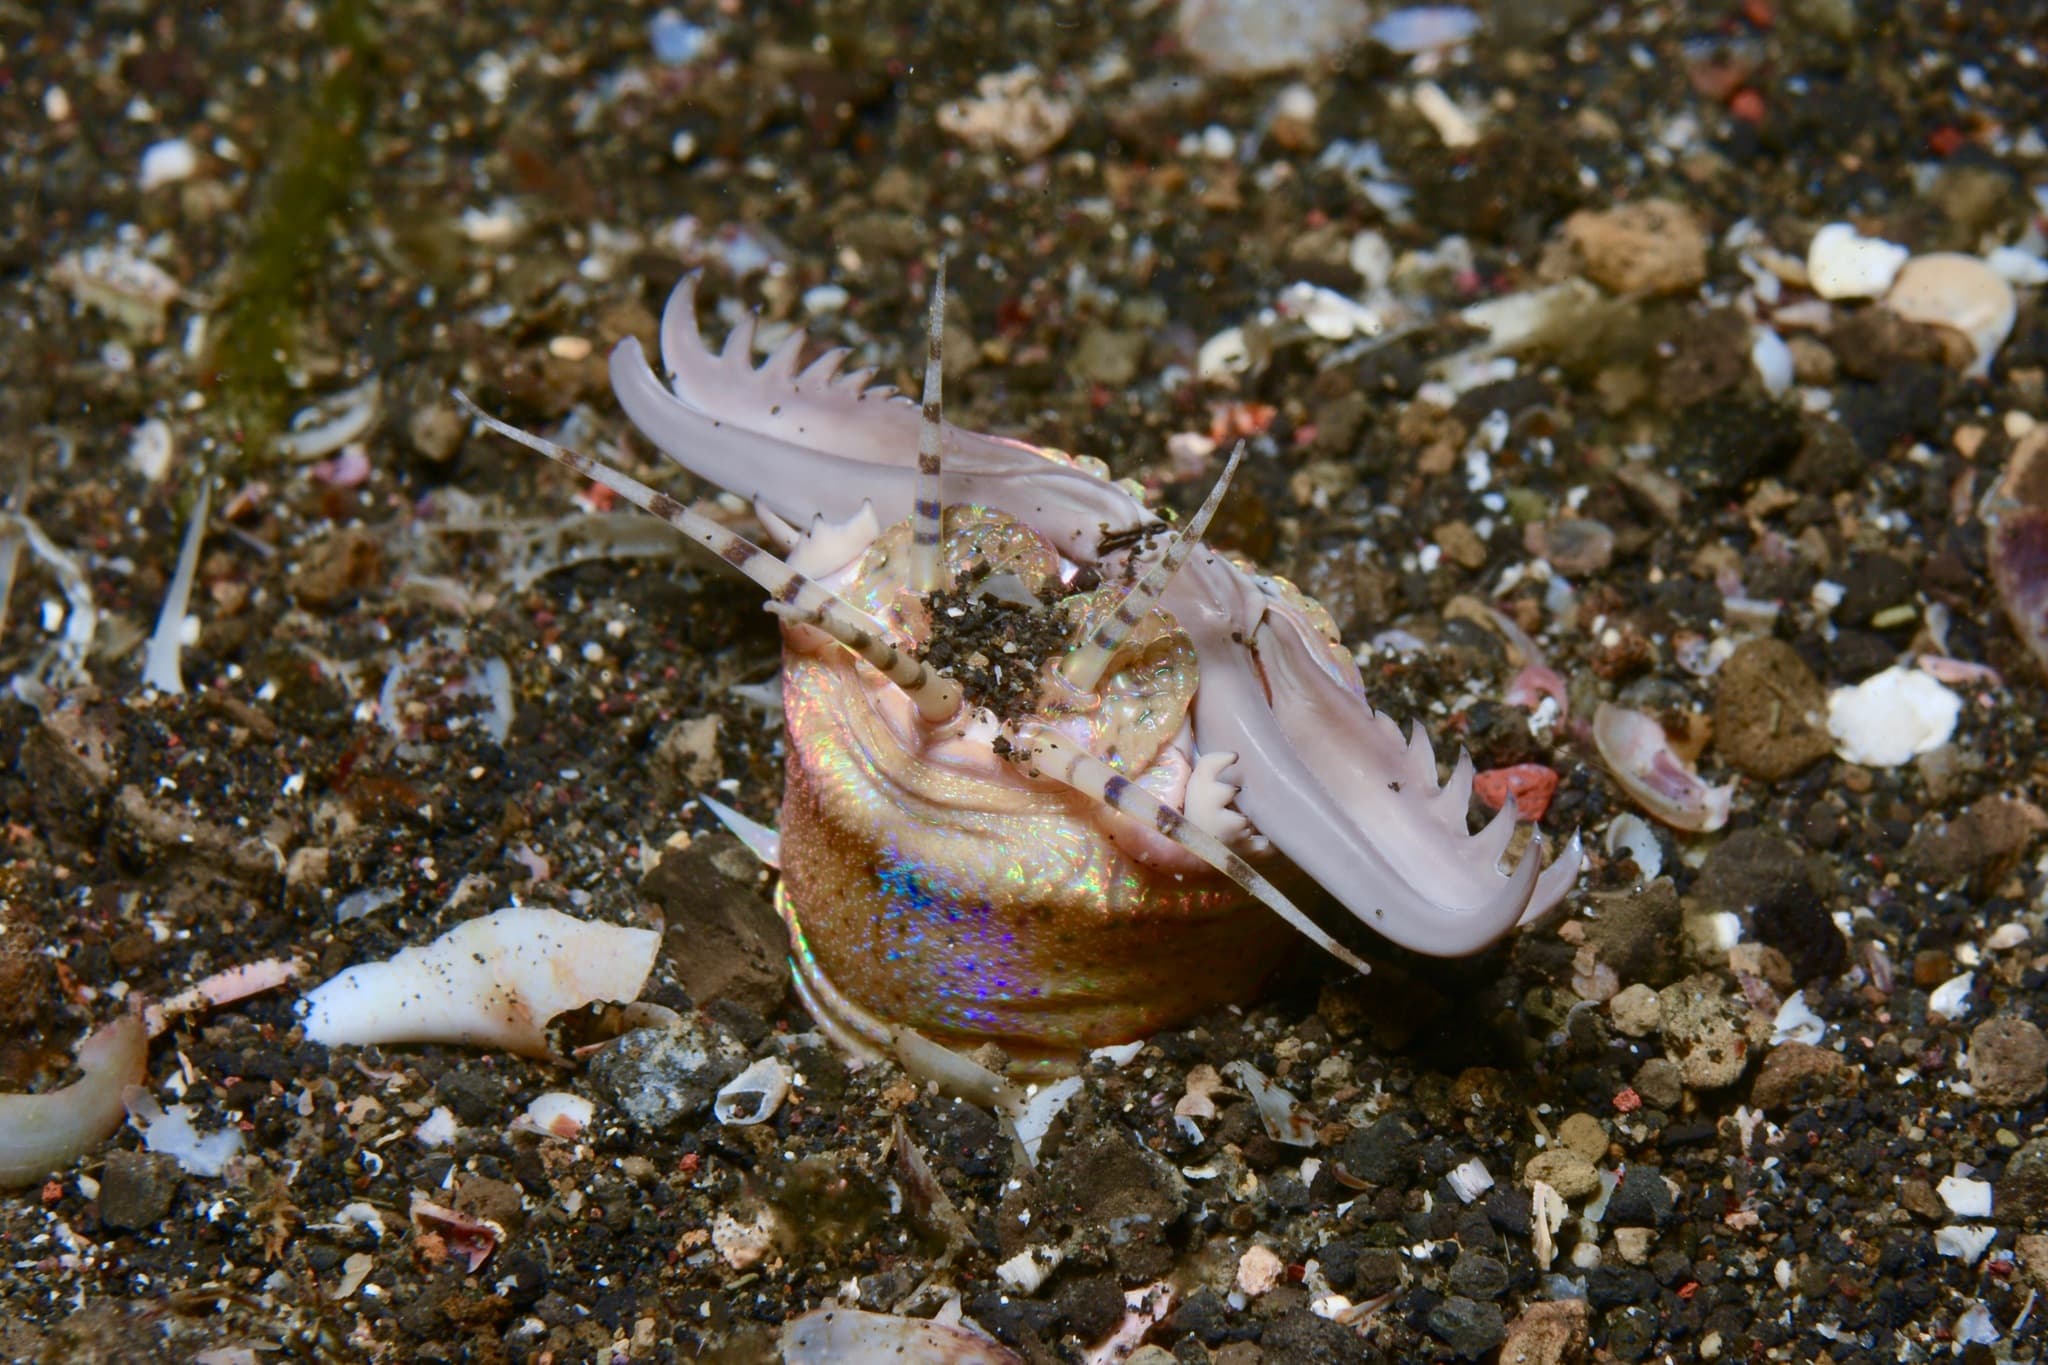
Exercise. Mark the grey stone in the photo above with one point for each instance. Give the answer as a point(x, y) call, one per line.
point(1385, 1153)
point(1469, 1328)
point(659, 1077)
point(1641, 1200)
point(137, 1189)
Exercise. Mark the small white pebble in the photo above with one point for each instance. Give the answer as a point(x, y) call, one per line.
point(150, 449)
point(1892, 717)
point(1259, 1271)
point(167, 162)
point(1844, 264)
point(824, 299)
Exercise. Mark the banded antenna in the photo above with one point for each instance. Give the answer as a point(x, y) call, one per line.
point(795, 597)
point(1084, 666)
point(928, 509)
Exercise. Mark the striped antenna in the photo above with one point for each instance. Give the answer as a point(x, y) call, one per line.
point(795, 597)
point(1084, 666)
point(1048, 753)
point(928, 509)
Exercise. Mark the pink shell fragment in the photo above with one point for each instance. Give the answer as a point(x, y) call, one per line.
point(473, 1239)
point(2019, 566)
point(1639, 756)
point(1530, 784)
point(1529, 687)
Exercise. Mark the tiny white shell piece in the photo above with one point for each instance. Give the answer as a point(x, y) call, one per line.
point(1844, 264)
point(1630, 833)
point(1966, 1198)
point(1028, 1269)
point(753, 1095)
point(558, 1114)
point(1772, 359)
point(1951, 999)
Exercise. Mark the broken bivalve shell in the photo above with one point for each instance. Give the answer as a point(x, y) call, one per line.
point(1639, 755)
point(755, 1094)
point(1959, 292)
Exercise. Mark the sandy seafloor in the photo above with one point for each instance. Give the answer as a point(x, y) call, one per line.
point(423, 682)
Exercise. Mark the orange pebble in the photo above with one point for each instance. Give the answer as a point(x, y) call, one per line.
point(1531, 784)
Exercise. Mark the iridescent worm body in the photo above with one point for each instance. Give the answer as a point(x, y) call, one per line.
point(1050, 765)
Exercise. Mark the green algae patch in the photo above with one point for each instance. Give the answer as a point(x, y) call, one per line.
point(256, 334)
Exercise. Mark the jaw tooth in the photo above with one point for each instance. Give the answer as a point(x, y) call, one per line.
point(739, 342)
point(1491, 842)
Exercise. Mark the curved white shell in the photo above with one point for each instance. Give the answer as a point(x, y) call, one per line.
point(754, 1095)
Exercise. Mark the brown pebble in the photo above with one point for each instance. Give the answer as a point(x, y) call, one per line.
point(1660, 1083)
point(1931, 967)
point(337, 567)
point(1551, 1333)
point(1918, 1198)
point(1982, 845)
point(1574, 546)
point(2008, 1061)
point(1770, 712)
point(1655, 247)
point(1800, 1071)
point(1462, 544)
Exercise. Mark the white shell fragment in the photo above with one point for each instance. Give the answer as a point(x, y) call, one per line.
point(1844, 264)
point(1028, 1269)
point(1639, 755)
point(166, 163)
point(151, 449)
point(850, 1336)
point(171, 1132)
point(557, 1114)
point(1964, 1242)
point(322, 428)
point(1951, 999)
point(113, 280)
point(1961, 293)
point(1797, 1023)
point(1631, 834)
point(1470, 1180)
point(753, 1095)
point(1045, 1103)
point(1010, 111)
point(494, 981)
point(1287, 1120)
point(161, 663)
point(1772, 360)
point(1966, 1198)
point(1892, 717)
